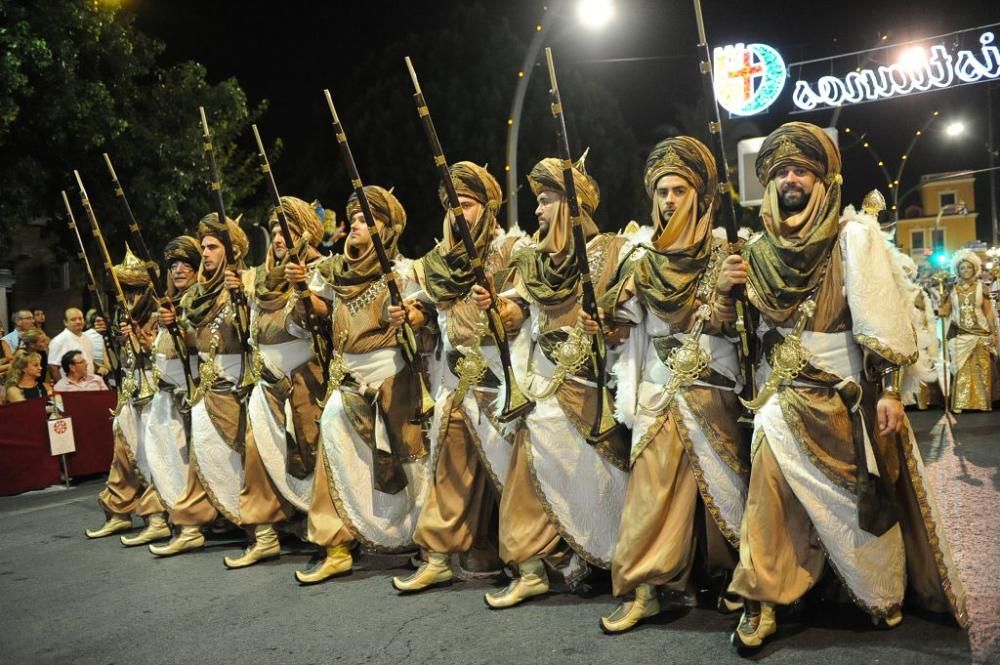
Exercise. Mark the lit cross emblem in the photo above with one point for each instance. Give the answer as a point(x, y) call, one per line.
point(748, 77)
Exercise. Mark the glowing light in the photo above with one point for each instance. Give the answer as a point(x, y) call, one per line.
point(594, 14)
point(510, 121)
point(913, 58)
point(520, 75)
point(748, 77)
point(956, 128)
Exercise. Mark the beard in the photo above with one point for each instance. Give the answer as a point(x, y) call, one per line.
point(793, 199)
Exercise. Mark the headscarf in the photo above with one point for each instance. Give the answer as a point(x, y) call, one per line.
point(667, 277)
point(134, 279)
point(545, 281)
point(446, 272)
point(966, 256)
point(349, 274)
point(181, 248)
point(788, 260)
point(202, 299)
point(272, 290)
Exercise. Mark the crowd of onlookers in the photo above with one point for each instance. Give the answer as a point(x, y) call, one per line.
point(33, 365)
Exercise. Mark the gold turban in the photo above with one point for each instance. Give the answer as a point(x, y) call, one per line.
point(691, 221)
point(183, 248)
point(477, 183)
point(548, 175)
point(302, 219)
point(386, 208)
point(209, 226)
point(798, 144)
point(131, 272)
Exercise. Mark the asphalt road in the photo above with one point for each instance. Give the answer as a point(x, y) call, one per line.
point(69, 600)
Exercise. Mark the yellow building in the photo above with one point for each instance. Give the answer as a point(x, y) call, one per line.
point(948, 219)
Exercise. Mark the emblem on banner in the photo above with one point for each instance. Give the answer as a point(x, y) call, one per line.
point(748, 78)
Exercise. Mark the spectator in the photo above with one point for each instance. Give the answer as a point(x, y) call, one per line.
point(36, 341)
point(22, 379)
point(24, 321)
point(6, 356)
point(96, 338)
point(39, 315)
point(71, 338)
point(75, 377)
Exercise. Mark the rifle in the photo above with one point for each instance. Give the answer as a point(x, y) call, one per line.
point(515, 402)
point(142, 251)
point(110, 344)
point(604, 422)
point(144, 390)
point(407, 340)
point(239, 298)
point(727, 216)
point(320, 333)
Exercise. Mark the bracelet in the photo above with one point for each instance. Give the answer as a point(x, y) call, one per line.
point(892, 379)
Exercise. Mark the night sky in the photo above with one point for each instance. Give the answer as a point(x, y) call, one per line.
point(288, 51)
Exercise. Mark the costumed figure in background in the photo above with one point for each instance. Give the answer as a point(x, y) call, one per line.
point(371, 471)
point(836, 474)
point(563, 496)
point(470, 449)
point(678, 381)
point(972, 348)
point(129, 488)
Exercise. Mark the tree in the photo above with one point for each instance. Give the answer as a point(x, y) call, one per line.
point(77, 79)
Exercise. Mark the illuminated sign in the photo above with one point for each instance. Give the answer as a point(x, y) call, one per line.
point(748, 78)
point(916, 72)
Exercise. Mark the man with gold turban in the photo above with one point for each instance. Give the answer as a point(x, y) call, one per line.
point(678, 379)
point(222, 444)
point(563, 496)
point(283, 412)
point(129, 487)
point(371, 470)
point(167, 425)
point(836, 475)
point(470, 451)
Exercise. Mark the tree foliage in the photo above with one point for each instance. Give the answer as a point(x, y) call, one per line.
point(76, 80)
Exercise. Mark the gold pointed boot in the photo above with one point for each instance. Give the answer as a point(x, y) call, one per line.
point(756, 625)
point(629, 613)
point(156, 529)
point(112, 525)
point(338, 561)
point(190, 538)
point(265, 546)
point(532, 582)
point(435, 572)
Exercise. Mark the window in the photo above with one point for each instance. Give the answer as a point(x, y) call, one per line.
point(917, 240)
point(946, 199)
point(937, 239)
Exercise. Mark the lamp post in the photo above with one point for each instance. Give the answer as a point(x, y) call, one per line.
point(592, 14)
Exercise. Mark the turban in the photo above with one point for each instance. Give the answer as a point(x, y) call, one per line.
point(548, 175)
point(209, 226)
point(131, 272)
point(385, 206)
point(183, 248)
point(798, 144)
point(302, 218)
point(691, 222)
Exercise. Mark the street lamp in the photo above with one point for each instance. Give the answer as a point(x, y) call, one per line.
point(593, 14)
point(956, 128)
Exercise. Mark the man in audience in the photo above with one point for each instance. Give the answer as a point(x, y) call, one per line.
point(70, 339)
point(24, 321)
point(75, 377)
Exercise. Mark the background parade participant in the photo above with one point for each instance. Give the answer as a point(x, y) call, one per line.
point(678, 380)
point(834, 459)
point(471, 453)
point(371, 469)
point(563, 496)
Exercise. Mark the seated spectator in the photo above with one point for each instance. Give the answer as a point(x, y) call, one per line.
point(75, 377)
point(24, 321)
point(22, 379)
point(6, 356)
point(36, 341)
point(95, 322)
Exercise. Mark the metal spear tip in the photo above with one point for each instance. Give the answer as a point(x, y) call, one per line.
point(329, 102)
point(204, 119)
point(413, 74)
point(256, 135)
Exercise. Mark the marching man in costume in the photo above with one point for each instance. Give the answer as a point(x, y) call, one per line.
point(221, 440)
point(129, 487)
point(564, 495)
point(470, 452)
point(678, 380)
point(834, 461)
point(167, 425)
point(283, 409)
point(371, 467)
